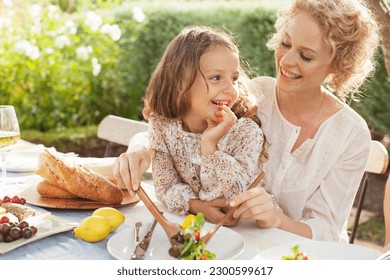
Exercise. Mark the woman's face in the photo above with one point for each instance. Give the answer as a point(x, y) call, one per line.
point(219, 86)
point(302, 57)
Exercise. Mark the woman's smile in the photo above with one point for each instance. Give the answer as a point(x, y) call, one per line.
point(289, 75)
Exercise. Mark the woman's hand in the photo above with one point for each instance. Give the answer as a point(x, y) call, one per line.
point(257, 205)
point(213, 210)
point(129, 167)
point(217, 129)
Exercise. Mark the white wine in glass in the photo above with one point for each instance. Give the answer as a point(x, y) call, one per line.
point(9, 134)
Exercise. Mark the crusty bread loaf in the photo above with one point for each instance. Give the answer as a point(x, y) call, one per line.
point(103, 166)
point(47, 189)
point(77, 179)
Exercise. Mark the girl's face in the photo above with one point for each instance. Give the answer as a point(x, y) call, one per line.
point(219, 86)
point(303, 57)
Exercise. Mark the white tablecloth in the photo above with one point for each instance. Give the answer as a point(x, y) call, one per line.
point(64, 246)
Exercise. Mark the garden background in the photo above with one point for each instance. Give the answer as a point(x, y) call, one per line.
point(66, 64)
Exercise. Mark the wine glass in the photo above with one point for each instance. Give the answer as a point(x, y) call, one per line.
point(9, 135)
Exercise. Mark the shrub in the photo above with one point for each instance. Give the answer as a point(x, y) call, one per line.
point(57, 69)
point(375, 103)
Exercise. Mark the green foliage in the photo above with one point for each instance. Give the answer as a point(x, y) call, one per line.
point(81, 140)
point(60, 135)
point(57, 69)
point(372, 231)
point(375, 104)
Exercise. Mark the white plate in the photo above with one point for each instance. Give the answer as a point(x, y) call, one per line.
point(226, 244)
point(23, 160)
point(321, 250)
point(26, 159)
point(58, 225)
point(22, 163)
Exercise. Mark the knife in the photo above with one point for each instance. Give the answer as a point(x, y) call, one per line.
point(143, 245)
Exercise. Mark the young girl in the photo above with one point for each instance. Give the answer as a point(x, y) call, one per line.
point(204, 134)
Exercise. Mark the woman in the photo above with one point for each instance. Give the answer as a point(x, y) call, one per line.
point(324, 50)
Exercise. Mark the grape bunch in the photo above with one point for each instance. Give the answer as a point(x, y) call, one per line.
point(13, 231)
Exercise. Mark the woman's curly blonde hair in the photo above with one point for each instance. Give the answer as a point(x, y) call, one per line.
point(352, 32)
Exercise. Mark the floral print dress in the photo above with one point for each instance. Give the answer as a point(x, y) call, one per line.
point(181, 173)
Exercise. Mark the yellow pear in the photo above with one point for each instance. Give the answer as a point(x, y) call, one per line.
point(113, 216)
point(92, 229)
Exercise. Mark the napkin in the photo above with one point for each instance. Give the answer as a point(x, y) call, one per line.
point(42, 222)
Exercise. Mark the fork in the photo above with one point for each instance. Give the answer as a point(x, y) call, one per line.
point(143, 245)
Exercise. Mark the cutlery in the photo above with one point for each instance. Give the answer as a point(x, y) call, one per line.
point(170, 228)
point(206, 238)
point(143, 245)
point(137, 228)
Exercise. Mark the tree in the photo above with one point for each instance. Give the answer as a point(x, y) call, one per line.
point(381, 10)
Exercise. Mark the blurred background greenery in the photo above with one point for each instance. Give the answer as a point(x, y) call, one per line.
point(68, 63)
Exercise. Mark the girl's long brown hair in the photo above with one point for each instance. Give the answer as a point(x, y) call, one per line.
point(168, 91)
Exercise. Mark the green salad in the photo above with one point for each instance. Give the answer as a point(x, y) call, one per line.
point(297, 255)
point(187, 244)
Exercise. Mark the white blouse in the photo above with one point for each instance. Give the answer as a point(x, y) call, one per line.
point(317, 183)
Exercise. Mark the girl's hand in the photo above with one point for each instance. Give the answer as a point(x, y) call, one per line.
point(216, 129)
point(213, 210)
point(257, 205)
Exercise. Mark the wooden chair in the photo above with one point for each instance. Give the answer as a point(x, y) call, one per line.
point(386, 213)
point(377, 163)
point(118, 130)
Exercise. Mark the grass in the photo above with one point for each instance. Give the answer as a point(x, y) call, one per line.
point(372, 231)
point(80, 140)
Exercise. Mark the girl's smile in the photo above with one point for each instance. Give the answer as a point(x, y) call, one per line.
point(219, 103)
